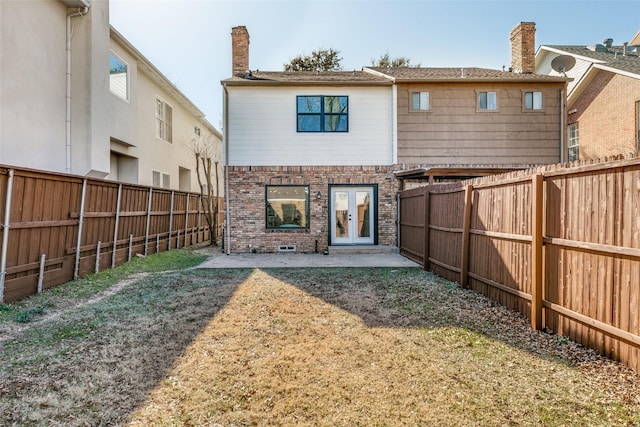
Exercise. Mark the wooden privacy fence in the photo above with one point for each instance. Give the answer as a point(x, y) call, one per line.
point(561, 245)
point(56, 228)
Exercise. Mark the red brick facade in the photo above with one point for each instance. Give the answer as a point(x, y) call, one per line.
point(606, 115)
point(523, 47)
point(239, 50)
point(247, 222)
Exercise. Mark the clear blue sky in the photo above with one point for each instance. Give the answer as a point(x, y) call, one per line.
point(189, 41)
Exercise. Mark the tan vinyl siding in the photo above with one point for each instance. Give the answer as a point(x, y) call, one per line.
point(454, 131)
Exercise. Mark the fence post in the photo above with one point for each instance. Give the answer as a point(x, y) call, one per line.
point(427, 201)
point(97, 269)
point(80, 223)
point(146, 233)
point(466, 224)
point(5, 233)
point(170, 222)
point(130, 247)
point(186, 221)
point(115, 228)
point(199, 215)
point(41, 272)
point(537, 202)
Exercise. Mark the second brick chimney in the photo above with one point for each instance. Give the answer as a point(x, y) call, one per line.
point(523, 47)
point(239, 50)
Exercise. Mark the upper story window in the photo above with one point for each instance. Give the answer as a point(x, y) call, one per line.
point(574, 142)
point(533, 100)
point(420, 101)
point(487, 101)
point(161, 180)
point(323, 113)
point(164, 116)
point(118, 76)
point(287, 206)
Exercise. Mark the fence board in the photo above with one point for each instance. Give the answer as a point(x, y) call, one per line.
point(590, 284)
point(45, 219)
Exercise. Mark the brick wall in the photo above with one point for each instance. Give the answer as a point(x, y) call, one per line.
point(606, 116)
point(239, 50)
point(523, 47)
point(247, 223)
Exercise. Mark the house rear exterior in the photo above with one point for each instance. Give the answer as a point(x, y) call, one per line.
point(315, 160)
point(308, 158)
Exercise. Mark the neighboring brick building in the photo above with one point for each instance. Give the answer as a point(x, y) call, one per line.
point(603, 100)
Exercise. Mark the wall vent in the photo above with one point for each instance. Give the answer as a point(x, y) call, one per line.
point(287, 248)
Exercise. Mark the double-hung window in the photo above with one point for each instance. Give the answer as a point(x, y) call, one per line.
point(420, 101)
point(320, 113)
point(161, 180)
point(533, 100)
point(574, 142)
point(287, 206)
point(164, 117)
point(487, 101)
point(118, 76)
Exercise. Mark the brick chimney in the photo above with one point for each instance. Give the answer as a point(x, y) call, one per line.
point(239, 50)
point(523, 47)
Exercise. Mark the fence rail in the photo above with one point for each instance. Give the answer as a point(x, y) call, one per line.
point(58, 227)
point(559, 244)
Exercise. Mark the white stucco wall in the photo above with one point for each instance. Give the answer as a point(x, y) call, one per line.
point(262, 128)
point(133, 123)
point(33, 86)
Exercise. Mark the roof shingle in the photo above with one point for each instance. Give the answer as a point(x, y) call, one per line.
point(613, 57)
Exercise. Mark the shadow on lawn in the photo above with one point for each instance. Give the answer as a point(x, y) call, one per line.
point(412, 298)
point(96, 365)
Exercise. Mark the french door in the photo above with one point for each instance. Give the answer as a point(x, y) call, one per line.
point(352, 215)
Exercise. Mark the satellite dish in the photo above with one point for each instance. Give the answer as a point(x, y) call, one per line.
point(563, 63)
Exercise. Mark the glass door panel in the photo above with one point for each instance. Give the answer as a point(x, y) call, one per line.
point(352, 215)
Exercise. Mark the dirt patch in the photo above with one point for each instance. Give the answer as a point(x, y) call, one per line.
point(305, 347)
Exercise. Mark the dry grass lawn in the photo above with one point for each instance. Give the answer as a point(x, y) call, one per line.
point(310, 347)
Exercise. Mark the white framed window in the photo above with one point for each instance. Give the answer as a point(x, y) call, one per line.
point(161, 180)
point(533, 101)
point(574, 142)
point(420, 101)
point(118, 76)
point(164, 118)
point(487, 101)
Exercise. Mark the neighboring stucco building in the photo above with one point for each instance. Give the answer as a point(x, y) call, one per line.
point(315, 160)
point(603, 100)
point(110, 114)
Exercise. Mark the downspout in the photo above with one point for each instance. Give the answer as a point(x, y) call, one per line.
point(394, 123)
point(6, 225)
point(78, 13)
point(563, 130)
point(225, 136)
